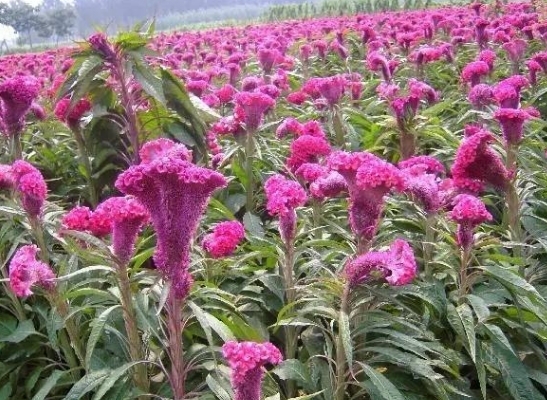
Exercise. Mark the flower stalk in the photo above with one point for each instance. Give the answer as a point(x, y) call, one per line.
point(340, 352)
point(86, 163)
point(174, 331)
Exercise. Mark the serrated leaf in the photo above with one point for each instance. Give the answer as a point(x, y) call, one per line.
point(23, 331)
point(96, 332)
point(88, 383)
point(292, 370)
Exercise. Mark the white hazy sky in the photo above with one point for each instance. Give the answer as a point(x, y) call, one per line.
point(5, 31)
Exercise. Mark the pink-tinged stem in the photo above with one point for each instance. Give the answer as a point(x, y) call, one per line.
point(407, 144)
point(174, 331)
point(340, 352)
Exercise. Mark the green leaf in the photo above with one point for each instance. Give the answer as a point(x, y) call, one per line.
point(466, 318)
point(5, 392)
point(150, 83)
point(98, 325)
point(308, 396)
point(292, 370)
point(345, 334)
point(217, 388)
point(385, 389)
point(113, 377)
point(49, 384)
point(253, 225)
point(88, 383)
point(23, 331)
point(510, 279)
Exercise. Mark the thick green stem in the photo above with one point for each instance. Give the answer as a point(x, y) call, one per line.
point(513, 201)
point(71, 329)
point(174, 331)
point(85, 161)
point(291, 334)
point(338, 126)
point(463, 282)
point(340, 352)
point(16, 147)
point(249, 156)
point(38, 233)
point(140, 376)
point(407, 144)
point(429, 243)
point(316, 215)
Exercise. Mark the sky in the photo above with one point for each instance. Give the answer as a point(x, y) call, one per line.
point(5, 31)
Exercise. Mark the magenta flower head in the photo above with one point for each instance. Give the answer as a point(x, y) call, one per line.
point(289, 126)
point(77, 219)
point(474, 71)
point(396, 265)
point(30, 184)
point(128, 217)
point(533, 69)
point(100, 43)
point(469, 211)
point(332, 88)
point(480, 96)
point(268, 58)
point(515, 49)
point(476, 161)
point(253, 107)
point(328, 185)
point(422, 182)
point(369, 179)
point(175, 192)
point(247, 361)
point(25, 271)
point(283, 197)
point(18, 95)
point(307, 149)
point(72, 117)
point(512, 123)
point(378, 63)
point(224, 239)
point(6, 177)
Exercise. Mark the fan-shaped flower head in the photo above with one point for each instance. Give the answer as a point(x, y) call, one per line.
point(175, 192)
point(6, 178)
point(253, 106)
point(25, 271)
point(290, 126)
point(310, 172)
point(224, 239)
point(481, 95)
point(476, 161)
point(307, 149)
point(396, 265)
point(422, 91)
point(489, 57)
point(515, 49)
point(77, 219)
point(30, 184)
point(533, 69)
point(468, 212)
point(297, 98)
point(332, 88)
point(127, 217)
point(512, 123)
point(329, 185)
point(422, 182)
point(226, 93)
point(430, 164)
point(18, 95)
point(247, 361)
point(283, 197)
point(100, 43)
point(474, 71)
point(268, 58)
point(368, 179)
point(378, 63)
point(72, 117)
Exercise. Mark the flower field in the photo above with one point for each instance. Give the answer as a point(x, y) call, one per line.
point(332, 209)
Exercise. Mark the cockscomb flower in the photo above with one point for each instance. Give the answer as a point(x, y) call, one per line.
point(297, 98)
point(310, 172)
point(30, 184)
point(515, 49)
point(533, 69)
point(127, 217)
point(18, 95)
point(6, 178)
point(25, 271)
point(422, 91)
point(378, 63)
point(307, 149)
point(489, 57)
point(512, 123)
point(77, 219)
point(541, 59)
point(475, 160)
point(251, 83)
point(474, 71)
point(332, 89)
point(329, 185)
point(100, 43)
point(469, 211)
point(254, 106)
point(481, 95)
point(429, 164)
point(283, 197)
point(396, 265)
point(72, 117)
point(226, 93)
point(290, 126)
point(247, 361)
point(268, 58)
point(175, 192)
point(224, 239)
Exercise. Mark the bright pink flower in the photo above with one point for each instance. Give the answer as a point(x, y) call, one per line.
point(310, 172)
point(268, 58)
point(289, 126)
point(253, 106)
point(247, 361)
point(329, 185)
point(307, 149)
point(77, 219)
point(251, 83)
point(224, 239)
point(515, 49)
point(512, 123)
point(469, 211)
point(396, 265)
point(270, 90)
point(72, 118)
point(429, 164)
point(422, 91)
point(226, 93)
point(533, 69)
point(100, 43)
point(197, 87)
point(474, 71)
point(175, 192)
point(489, 57)
point(6, 178)
point(378, 63)
point(25, 271)
point(481, 95)
point(30, 184)
point(18, 95)
point(476, 161)
point(297, 98)
point(332, 88)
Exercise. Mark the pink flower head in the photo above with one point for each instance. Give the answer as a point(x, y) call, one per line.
point(429, 164)
point(290, 126)
point(25, 271)
point(77, 219)
point(253, 106)
point(6, 178)
point(127, 216)
point(100, 43)
point(297, 98)
point(251, 83)
point(307, 149)
point(224, 239)
point(489, 57)
point(197, 87)
point(283, 197)
point(469, 211)
point(329, 185)
point(387, 91)
point(515, 49)
point(268, 58)
point(247, 361)
point(541, 60)
point(506, 95)
point(533, 69)
point(378, 63)
point(512, 123)
point(332, 88)
point(226, 93)
point(422, 91)
point(175, 192)
point(72, 117)
point(396, 265)
point(481, 95)
point(18, 95)
point(476, 161)
point(474, 71)
point(310, 172)
point(30, 184)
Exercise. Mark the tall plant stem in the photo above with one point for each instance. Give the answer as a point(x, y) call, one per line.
point(407, 144)
point(513, 201)
point(316, 215)
point(249, 156)
point(465, 256)
point(429, 243)
point(340, 352)
point(16, 147)
point(75, 343)
point(174, 332)
point(85, 161)
point(140, 376)
point(38, 233)
point(338, 127)
point(291, 336)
